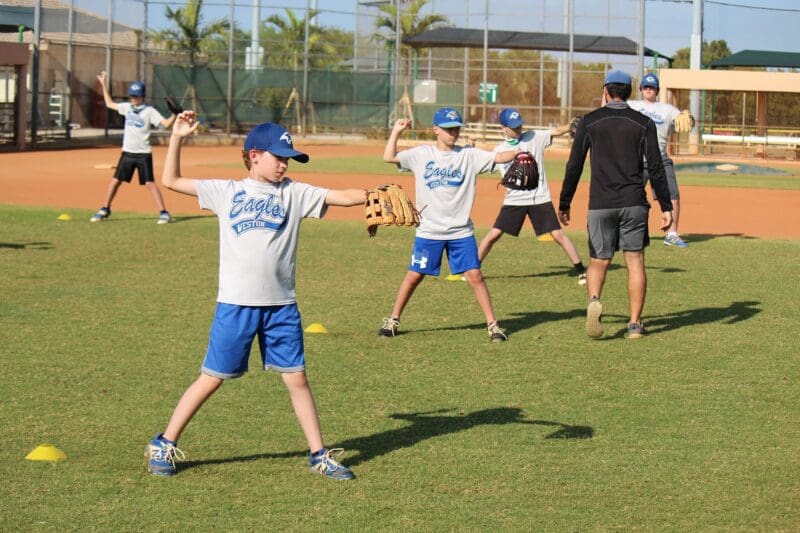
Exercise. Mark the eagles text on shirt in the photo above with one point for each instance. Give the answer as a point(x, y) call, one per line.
point(256, 213)
point(442, 177)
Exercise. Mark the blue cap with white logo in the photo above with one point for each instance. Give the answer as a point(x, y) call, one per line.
point(273, 138)
point(136, 89)
point(447, 117)
point(511, 118)
point(617, 76)
point(649, 80)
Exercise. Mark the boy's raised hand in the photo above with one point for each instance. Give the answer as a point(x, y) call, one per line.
point(402, 124)
point(102, 78)
point(185, 124)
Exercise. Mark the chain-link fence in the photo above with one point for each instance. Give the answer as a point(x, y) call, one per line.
point(316, 66)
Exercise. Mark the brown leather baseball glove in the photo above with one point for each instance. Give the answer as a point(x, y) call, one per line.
point(389, 205)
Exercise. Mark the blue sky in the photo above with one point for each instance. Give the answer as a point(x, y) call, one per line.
point(766, 25)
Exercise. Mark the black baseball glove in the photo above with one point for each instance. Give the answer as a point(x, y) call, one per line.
point(523, 174)
point(173, 105)
point(573, 125)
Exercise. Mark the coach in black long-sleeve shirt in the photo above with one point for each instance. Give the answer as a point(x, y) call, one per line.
point(620, 140)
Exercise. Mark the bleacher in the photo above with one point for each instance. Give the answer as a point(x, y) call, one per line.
point(786, 139)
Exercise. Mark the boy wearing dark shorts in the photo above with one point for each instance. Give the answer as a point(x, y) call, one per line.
point(137, 154)
point(534, 204)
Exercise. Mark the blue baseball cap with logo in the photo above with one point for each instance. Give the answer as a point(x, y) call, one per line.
point(617, 76)
point(511, 118)
point(136, 89)
point(447, 117)
point(273, 138)
point(649, 80)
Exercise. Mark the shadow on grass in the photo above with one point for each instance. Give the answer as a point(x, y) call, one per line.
point(27, 245)
point(569, 272)
point(422, 426)
point(518, 321)
point(734, 313)
point(702, 237)
point(175, 219)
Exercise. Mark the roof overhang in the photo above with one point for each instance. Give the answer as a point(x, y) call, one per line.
point(519, 40)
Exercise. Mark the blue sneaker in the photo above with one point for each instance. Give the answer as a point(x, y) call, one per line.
point(102, 214)
point(674, 240)
point(322, 462)
point(161, 454)
point(164, 218)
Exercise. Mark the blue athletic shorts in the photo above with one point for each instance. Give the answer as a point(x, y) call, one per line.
point(280, 339)
point(462, 255)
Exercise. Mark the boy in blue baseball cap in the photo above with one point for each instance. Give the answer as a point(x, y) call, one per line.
point(445, 178)
point(259, 224)
point(663, 115)
point(535, 204)
point(137, 154)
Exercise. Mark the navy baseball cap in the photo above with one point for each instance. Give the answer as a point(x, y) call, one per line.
point(136, 89)
point(617, 76)
point(273, 138)
point(447, 117)
point(649, 80)
point(511, 118)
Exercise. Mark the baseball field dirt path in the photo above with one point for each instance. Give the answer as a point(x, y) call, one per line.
point(69, 179)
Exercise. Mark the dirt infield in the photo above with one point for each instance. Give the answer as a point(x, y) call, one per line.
point(69, 179)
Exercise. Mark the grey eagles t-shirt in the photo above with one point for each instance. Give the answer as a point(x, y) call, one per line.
point(259, 225)
point(139, 122)
point(445, 188)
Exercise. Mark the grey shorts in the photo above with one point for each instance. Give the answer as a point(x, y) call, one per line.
point(622, 228)
point(672, 180)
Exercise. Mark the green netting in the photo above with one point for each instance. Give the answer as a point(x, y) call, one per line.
point(338, 100)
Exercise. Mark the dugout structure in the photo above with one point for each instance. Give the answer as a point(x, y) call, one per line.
point(758, 137)
point(14, 56)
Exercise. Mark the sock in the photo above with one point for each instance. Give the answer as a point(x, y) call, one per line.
point(318, 453)
point(162, 438)
point(579, 268)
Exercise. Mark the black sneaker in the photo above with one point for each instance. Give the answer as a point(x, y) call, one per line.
point(102, 214)
point(389, 327)
point(496, 333)
point(636, 331)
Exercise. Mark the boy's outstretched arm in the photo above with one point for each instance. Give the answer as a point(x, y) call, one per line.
point(185, 124)
point(106, 95)
point(556, 131)
point(346, 197)
point(390, 151)
point(504, 157)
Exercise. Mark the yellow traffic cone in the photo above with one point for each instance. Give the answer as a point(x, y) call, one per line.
point(64, 217)
point(316, 327)
point(46, 452)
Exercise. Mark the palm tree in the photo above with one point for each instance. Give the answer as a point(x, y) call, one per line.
point(411, 24)
point(190, 36)
point(289, 33)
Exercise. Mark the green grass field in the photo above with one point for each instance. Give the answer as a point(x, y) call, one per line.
point(694, 428)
